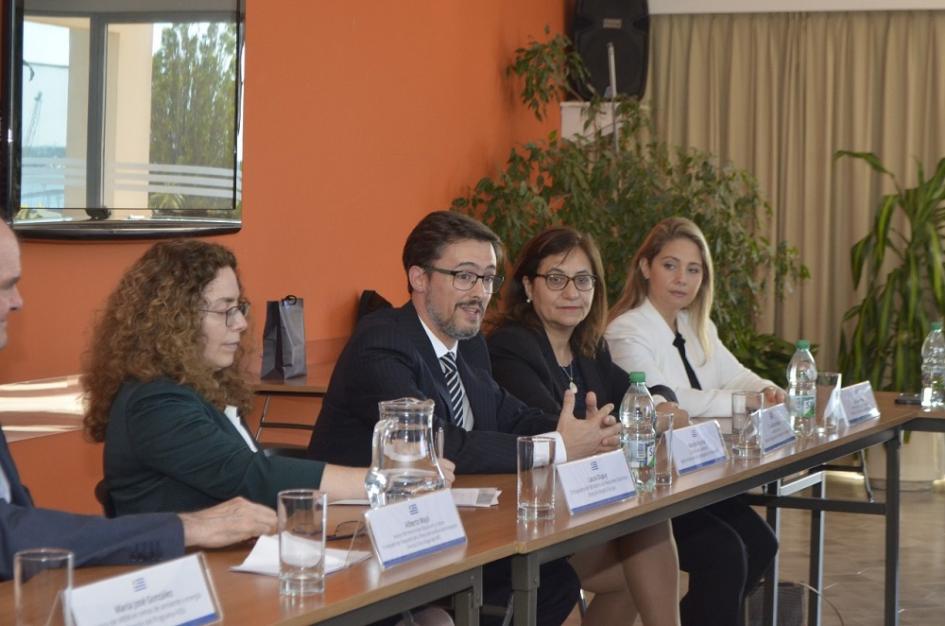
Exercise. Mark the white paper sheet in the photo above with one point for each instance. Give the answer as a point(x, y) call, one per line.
point(264, 558)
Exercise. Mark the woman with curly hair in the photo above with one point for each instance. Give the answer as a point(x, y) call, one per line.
point(166, 386)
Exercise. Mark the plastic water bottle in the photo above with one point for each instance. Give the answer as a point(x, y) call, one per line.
point(802, 389)
point(638, 436)
point(933, 368)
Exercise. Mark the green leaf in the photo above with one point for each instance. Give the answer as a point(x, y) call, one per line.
point(858, 254)
point(618, 195)
point(868, 157)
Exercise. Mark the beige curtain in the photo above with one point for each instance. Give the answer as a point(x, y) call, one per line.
point(778, 94)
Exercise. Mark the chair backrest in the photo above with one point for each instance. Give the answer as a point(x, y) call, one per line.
point(371, 301)
point(104, 498)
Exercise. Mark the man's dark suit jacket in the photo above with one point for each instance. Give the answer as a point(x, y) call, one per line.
point(390, 356)
point(94, 540)
point(525, 364)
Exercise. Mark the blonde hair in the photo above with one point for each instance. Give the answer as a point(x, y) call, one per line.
point(636, 288)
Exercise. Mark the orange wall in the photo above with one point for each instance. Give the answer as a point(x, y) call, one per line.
point(360, 118)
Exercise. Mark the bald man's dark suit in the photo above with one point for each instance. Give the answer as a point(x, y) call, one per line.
point(94, 540)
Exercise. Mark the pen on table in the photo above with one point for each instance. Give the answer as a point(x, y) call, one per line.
point(439, 442)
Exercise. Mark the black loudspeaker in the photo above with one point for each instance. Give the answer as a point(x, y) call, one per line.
point(626, 24)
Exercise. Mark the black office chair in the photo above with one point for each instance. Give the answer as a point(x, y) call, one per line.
point(105, 499)
point(371, 301)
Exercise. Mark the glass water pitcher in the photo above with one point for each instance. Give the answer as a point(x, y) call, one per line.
point(404, 460)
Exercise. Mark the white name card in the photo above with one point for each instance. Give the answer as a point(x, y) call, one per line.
point(775, 428)
point(698, 446)
point(858, 402)
point(406, 530)
point(595, 481)
point(173, 593)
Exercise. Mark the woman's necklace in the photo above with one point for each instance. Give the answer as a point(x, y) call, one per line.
point(569, 372)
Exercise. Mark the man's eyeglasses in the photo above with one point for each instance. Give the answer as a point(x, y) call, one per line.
point(465, 280)
point(242, 307)
point(556, 281)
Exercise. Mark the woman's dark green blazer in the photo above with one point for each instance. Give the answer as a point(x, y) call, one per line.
point(168, 449)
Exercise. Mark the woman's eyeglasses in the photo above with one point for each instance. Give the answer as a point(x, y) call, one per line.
point(557, 281)
point(242, 307)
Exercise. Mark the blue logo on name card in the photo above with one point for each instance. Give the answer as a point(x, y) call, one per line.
point(414, 509)
point(594, 466)
point(138, 584)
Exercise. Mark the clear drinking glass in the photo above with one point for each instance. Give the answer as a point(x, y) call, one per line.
point(536, 478)
point(664, 447)
point(746, 442)
point(828, 402)
point(302, 521)
point(42, 581)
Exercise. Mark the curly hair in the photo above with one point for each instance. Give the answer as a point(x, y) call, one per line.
point(151, 328)
point(553, 241)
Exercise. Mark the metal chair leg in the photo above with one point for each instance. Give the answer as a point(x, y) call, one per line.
point(866, 475)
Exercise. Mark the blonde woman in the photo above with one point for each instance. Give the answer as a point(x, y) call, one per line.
point(661, 325)
point(663, 313)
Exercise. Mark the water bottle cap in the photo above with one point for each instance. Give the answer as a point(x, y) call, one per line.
point(637, 377)
point(936, 326)
point(802, 344)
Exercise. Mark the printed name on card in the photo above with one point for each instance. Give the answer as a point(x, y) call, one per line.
point(415, 527)
point(775, 428)
point(698, 446)
point(859, 402)
point(173, 593)
point(595, 481)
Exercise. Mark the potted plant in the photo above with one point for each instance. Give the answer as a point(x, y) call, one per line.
point(618, 187)
point(904, 276)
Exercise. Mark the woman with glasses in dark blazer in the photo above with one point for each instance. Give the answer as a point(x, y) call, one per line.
point(549, 340)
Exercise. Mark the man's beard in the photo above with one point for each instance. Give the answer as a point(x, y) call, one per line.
point(449, 327)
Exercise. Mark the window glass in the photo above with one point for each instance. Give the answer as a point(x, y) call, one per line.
point(130, 115)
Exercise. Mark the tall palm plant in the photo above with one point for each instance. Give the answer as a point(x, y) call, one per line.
point(900, 301)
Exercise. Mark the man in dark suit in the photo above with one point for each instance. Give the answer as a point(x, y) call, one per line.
point(451, 262)
point(431, 348)
point(96, 540)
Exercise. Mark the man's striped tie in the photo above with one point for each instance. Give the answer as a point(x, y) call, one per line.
point(448, 363)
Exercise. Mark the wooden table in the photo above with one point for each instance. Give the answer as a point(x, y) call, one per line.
point(540, 543)
point(927, 421)
point(364, 593)
point(360, 594)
